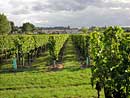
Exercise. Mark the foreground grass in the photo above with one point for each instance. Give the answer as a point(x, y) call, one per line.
point(37, 82)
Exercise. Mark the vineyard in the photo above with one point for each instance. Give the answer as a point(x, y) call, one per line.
point(92, 65)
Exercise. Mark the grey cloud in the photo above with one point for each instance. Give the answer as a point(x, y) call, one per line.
point(89, 17)
point(20, 7)
point(76, 5)
point(64, 5)
point(71, 12)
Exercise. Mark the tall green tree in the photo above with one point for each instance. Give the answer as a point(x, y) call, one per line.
point(5, 27)
point(28, 27)
point(84, 30)
point(12, 27)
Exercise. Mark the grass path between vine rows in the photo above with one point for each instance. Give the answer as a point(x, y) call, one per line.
point(37, 82)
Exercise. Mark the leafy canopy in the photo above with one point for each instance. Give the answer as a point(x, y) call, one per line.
point(5, 27)
point(28, 27)
point(84, 30)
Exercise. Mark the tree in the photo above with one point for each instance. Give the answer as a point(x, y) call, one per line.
point(12, 27)
point(97, 29)
point(5, 27)
point(28, 27)
point(84, 30)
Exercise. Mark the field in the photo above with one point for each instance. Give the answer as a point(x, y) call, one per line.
point(93, 65)
point(37, 82)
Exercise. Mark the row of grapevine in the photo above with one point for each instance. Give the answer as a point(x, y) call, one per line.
point(110, 56)
point(21, 45)
point(81, 43)
point(55, 45)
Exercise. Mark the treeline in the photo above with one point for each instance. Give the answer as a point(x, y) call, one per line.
point(8, 27)
point(109, 54)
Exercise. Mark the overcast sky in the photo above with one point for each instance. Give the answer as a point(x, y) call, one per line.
point(76, 13)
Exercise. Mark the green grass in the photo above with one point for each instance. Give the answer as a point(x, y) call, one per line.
point(38, 82)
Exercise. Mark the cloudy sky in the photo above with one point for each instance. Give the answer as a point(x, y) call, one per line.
point(76, 13)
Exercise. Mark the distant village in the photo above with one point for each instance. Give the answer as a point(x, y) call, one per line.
point(69, 30)
point(63, 30)
point(57, 30)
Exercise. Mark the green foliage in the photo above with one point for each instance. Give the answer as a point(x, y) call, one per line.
point(12, 26)
point(82, 44)
point(6, 43)
point(84, 30)
point(55, 44)
point(96, 29)
point(51, 46)
point(109, 51)
point(5, 27)
point(28, 27)
point(21, 44)
point(110, 56)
